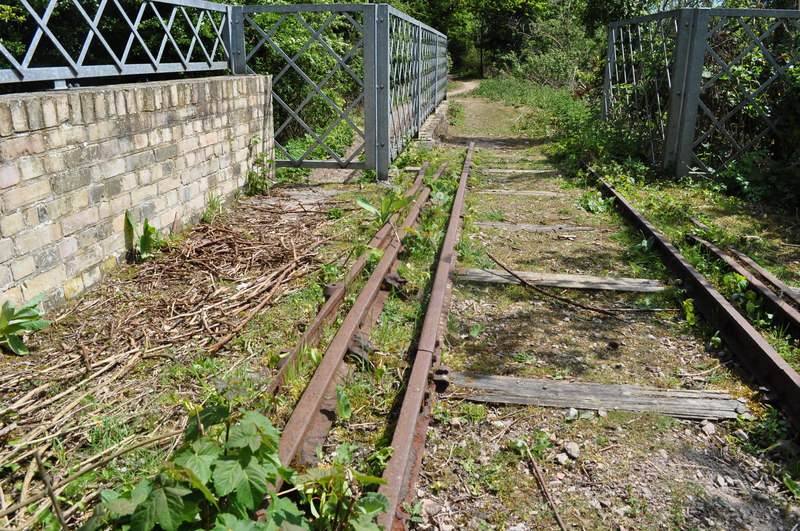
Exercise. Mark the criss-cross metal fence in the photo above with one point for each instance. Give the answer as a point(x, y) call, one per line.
point(705, 85)
point(352, 83)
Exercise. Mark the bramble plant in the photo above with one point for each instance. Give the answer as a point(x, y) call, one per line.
point(222, 474)
point(14, 322)
point(260, 178)
point(334, 495)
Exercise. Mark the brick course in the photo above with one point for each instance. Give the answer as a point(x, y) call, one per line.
point(72, 162)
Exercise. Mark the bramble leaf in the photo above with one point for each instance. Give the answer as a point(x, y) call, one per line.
point(372, 504)
point(283, 515)
point(208, 417)
point(163, 506)
point(229, 522)
point(228, 474)
point(251, 491)
point(366, 479)
point(244, 435)
point(264, 425)
point(198, 464)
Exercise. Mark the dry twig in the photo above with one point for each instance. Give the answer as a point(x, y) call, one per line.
point(546, 293)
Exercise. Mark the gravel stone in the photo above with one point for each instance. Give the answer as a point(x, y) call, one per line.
point(572, 449)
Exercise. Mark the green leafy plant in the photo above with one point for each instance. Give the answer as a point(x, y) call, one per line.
point(28, 318)
point(140, 246)
point(260, 178)
point(538, 442)
point(643, 246)
point(476, 330)
point(222, 473)
point(390, 203)
point(380, 458)
point(595, 203)
point(335, 213)
point(688, 309)
point(343, 409)
point(414, 511)
point(793, 487)
point(213, 209)
point(333, 494)
point(219, 476)
point(524, 357)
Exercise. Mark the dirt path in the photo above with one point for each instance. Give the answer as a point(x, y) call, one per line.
point(605, 469)
point(463, 87)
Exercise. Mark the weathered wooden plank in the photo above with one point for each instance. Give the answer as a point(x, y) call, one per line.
point(682, 403)
point(497, 276)
point(664, 409)
point(526, 193)
point(530, 227)
point(514, 171)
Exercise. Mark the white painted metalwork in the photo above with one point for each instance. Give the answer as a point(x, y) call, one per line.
point(155, 37)
point(706, 84)
point(394, 67)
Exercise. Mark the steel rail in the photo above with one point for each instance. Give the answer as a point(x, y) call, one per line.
point(313, 334)
point(784, 289)
point(312, 400)
point(785, 312)
point(408, 441)
point(761, 359)
point(778, 286)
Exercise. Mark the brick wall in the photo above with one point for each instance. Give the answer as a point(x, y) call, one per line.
point(72, 162)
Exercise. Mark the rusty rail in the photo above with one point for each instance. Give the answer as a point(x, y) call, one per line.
point(783, 311)
point(313, 334)
point(761, 359)
point(412, 424)
point(312, 402)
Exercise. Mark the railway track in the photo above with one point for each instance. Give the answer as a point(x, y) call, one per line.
point(427, 375)
point(543, 321)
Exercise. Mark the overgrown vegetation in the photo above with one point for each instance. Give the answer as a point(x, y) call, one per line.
point(223, 472)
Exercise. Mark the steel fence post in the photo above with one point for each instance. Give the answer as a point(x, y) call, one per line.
point(383, 92)
point(418, 81)
point(436, 72)
point(446, 68)
point(370, 87)
point(610, 60)
point(235, 40)
point(684, 99)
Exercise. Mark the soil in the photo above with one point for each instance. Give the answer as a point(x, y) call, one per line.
point(604, 469)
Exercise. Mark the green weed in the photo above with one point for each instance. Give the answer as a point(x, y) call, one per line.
point(390, 203)
point(140, 246)
point(213, 209)
point(28, 318)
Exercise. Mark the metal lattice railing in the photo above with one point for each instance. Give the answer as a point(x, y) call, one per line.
point(365, 75)
point(415, 59)
point(62, 41)
point(638, 75)
point(707, 85)
point(316, 50)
